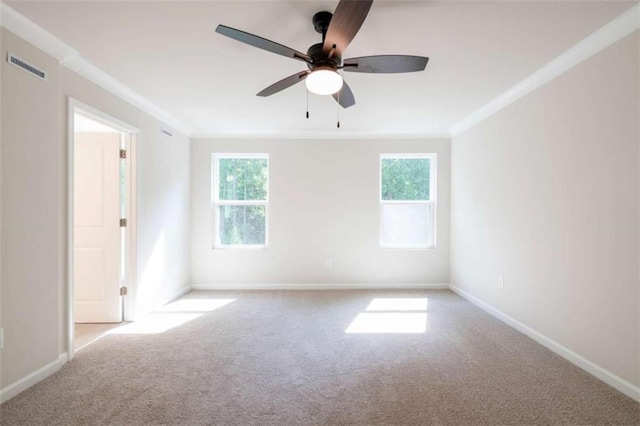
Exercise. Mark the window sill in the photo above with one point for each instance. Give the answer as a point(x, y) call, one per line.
point(262, 247)
point(410, 248)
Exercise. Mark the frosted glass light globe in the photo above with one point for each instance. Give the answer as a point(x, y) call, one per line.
point(324, 82)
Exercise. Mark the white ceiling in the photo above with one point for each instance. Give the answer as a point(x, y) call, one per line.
point(169, 53)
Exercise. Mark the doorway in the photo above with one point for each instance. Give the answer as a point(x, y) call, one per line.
point(101, 224)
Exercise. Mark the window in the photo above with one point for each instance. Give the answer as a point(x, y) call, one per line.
point(407, 200)
point(240, 200)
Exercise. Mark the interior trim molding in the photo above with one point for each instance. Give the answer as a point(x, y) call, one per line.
point(81, 66)
point(602, 38)
point(337, 134)
point(34, 34)
point(27, 381)
point(322, 286)
point(70, 58)
point(606, 376)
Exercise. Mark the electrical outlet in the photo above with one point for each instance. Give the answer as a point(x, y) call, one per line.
point(329, 263)
point(501, 283)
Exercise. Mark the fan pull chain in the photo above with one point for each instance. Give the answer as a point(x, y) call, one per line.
point(338, 110)
point(307, 103)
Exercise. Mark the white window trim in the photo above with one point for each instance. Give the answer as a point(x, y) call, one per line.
point(433, 170)
point(215, 202)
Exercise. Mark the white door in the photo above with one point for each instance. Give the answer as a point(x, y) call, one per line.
point(97, 235)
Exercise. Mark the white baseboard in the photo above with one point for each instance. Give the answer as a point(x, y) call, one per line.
point(606, 376)
point(26, 382)
point(321, 286)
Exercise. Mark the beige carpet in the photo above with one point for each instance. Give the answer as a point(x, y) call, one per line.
point(280, 358)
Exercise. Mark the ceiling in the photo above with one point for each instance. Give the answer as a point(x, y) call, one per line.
point(169, 53)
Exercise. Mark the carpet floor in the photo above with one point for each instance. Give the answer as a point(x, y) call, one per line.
point(319, 358)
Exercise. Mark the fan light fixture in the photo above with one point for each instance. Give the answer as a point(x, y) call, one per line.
point(322, 60)
point(324, 81)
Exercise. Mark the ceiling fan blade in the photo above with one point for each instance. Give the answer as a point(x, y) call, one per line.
point(261, 43)
point(385, 64)
point(345, 96)
point(345, 23)
point(284, 83)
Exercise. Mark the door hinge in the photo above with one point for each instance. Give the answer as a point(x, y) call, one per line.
point(123, 153)
point(123, 223)
point(123, 291)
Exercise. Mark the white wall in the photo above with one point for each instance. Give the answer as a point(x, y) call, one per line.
point(34, 207)
point(323, 204)
point(162, 196)
point(31, 157)
point(545, 193)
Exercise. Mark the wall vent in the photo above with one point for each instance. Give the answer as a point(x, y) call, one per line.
point(166, 132)
point(34, 71)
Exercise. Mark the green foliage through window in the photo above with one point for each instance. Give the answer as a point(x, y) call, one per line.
point(242, 179)
point(242, 225)
point(405, 179)
point(242, 185)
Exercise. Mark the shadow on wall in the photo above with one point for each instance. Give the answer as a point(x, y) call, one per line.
point(152, 277)
point(163, 272)
point(163, 220)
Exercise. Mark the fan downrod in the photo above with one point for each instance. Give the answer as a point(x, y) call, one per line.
point(321, 22)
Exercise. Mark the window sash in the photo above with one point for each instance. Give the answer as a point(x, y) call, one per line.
point(216, 202)
point(432, 232)
point(215, 175)
point(406, 201)
point(241, 203)
point(217, 242)
point(432, 200)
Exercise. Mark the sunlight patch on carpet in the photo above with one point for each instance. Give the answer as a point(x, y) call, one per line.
point(392, 315)
point(172, 315)
point(156, 323)
point(195, 305)
point(389, 323)
point(398, 304)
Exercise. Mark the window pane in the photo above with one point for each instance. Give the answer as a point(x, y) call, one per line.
point(406, 224)
point(405, 179)
point(240, 225)
point(242, 178)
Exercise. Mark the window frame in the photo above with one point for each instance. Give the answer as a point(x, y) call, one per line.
point(216, 202)
point(433, 175)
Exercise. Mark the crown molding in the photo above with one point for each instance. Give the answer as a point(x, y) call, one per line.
point(70, 58)
point(324, 134)
point(615, 30)
point(94, 74)
point(34, 34)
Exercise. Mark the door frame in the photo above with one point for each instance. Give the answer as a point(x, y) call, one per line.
point(75, 106)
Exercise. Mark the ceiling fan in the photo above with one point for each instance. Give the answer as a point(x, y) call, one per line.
point(325, 59)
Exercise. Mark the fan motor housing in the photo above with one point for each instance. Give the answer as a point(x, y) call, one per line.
point(320, 59)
